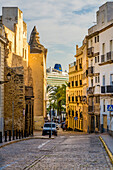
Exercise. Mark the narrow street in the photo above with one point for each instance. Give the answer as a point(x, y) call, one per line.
point(68, 151)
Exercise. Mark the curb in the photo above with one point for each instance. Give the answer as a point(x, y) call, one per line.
point(19, 140)
point(107, 149)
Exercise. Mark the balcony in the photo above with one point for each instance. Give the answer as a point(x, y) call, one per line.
point(90, 108)
point(90, 71)
point(90, 52)
point(107, 59)
point(90, 90)
point(107, 89)
point(109, 56)
point(110, 89)
point(102, 58)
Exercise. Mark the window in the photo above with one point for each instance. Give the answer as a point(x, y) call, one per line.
point(95, 59)
point(111, 79)
point(72, 83)
point(0, 55)
point(91, 63)
point(23, 52)
point(91, 82)
point(98, 58)
point(95, 39)
point(103, 48)
point(103, 80)
point(95, 79)
point(104, 106)
point(98, 79)
point(111, 45)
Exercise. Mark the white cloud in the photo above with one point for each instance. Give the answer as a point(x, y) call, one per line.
point(61, 24)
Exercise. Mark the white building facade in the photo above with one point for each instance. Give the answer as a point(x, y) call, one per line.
point(101, 68)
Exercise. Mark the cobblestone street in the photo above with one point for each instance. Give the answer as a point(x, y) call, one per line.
point(64, 152)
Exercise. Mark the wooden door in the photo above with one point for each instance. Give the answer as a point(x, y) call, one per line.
point(105, 122)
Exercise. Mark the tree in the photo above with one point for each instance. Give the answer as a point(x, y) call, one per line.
point(57, 97)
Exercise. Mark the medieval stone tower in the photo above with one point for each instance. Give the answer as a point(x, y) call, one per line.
point(37, 62)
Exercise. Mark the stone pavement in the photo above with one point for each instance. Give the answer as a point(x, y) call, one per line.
point(79, 152)
point(74, 151)
point(37, 135)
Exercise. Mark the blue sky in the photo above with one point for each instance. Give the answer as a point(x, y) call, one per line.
point(61, 24)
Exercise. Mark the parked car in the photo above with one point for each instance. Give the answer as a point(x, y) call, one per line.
point(48, 126)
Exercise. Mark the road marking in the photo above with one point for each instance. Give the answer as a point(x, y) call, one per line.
point(40, 146)
point(7, 165)
point(62, 136)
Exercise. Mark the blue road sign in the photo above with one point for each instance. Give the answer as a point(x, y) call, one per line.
point(110, 108)
point(76, 118)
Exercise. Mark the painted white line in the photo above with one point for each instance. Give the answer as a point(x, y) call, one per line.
point(7, 165)
point(40, 146)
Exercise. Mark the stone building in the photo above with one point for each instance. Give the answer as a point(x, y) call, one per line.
point(18, 108)
point(77, 90)
point(3, 55)
point(37, 62)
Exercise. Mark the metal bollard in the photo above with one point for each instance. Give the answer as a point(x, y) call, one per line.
point(19, 134)
point(29, 131)
point(32, 132)
point(49, 134)
point(9, 135)
point(5, 136)
point(13, 135)
point(22, 133)
point(25, 133)
point(16, 134)
point(0, 137)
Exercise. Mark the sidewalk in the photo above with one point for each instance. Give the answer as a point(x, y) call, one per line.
point(107, 142)
point(37, 135)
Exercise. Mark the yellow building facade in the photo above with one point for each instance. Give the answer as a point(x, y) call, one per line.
point(77, 100)
point(37, 62)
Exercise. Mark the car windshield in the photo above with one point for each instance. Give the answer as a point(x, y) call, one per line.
point(49, 125)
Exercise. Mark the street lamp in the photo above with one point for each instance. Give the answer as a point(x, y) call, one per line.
point(8, 79)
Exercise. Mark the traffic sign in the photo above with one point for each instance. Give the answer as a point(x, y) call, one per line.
point(76, 118)
point(110, 108)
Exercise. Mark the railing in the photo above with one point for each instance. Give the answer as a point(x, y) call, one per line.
point(102, 58)
point(90, 70)
point(90, 52)
point(109, 56)
point(110, 89)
